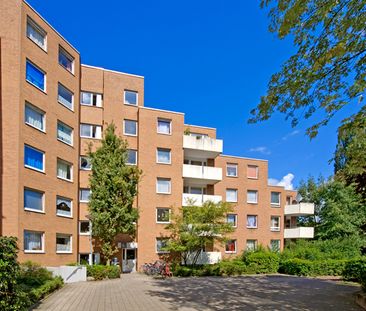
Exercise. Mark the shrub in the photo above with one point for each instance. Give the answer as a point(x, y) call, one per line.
point(101, 272)
point(11, 296)
point(232, 267)
point(32, 274)
point(183, 271)
point(261, 261)
point(355, 270)
point(45, 289)
point(303, 267)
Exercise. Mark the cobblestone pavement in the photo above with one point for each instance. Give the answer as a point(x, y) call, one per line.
point(139, 292)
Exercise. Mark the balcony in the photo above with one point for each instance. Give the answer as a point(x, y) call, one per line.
point(202, 147)
point(203, 175)
point(299, 233)
point(205, 258)
point(199, 199)
point(301, 209)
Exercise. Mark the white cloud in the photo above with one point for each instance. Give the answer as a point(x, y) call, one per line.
point(261, 149)
point(286, 181)
point(293, 133)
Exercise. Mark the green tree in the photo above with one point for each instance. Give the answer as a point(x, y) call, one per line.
point(328, 69)
point(195, 227)
point(350, 155)
point(113, 186)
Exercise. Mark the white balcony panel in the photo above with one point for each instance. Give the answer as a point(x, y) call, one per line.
point(199, 199)
point(299, 233)
point(202, 174)
point(205, 258)
point(301, 209)
point(202, 147)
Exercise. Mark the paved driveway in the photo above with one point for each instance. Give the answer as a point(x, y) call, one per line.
point(138, 292)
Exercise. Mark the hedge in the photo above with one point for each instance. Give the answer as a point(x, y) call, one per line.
point(261, 262)
point(355, 270)
point(303, 267)
point(101, 272)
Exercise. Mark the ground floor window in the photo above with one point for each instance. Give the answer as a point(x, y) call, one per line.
point(275, 245)
point(33, 241)
point(161, 243)
point(230, 246)
point(63, 243)
point(251, 245)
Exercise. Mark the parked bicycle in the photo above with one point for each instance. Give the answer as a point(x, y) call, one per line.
point(159, 267)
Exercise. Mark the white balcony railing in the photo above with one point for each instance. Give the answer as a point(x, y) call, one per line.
point(199, 199)
point(205, 173)
point(299, 233)
point(206, 258)
point(299, 209)
point(203, 144)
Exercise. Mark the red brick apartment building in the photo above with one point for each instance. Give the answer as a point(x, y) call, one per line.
point(52, 106)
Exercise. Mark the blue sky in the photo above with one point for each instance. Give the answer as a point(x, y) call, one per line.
point(209, 59)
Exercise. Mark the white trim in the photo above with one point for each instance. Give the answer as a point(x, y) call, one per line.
point(162, 110)
point(39, 29)
point(252, 202)
point(257, 170)
point(99, 95)
point(41, 251)
point(163, 222)
point(27, 60)
point(156, 246)
point(71, 170)
point(164, 120)
point(71, 206)
point(231, 252)
point(84, 169)
point(84, 201)
point(43, 159)
point(256, 222)
point(64, 252)
point(84, 233)
point(124, 128)
point(136, 157)
point(202, 127)
point(29, 209)
point(69, 57)
point(157, 155)
point(232, 164)
point(137, 98)
point(72, 97)
point(114, 71)
point(72, 134)
point(170, 185)
point(91, 125)
point(279, 198)
point(40, 111)
point(239, 157)
point(236, 219)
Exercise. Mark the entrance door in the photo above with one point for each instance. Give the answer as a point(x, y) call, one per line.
point(128, 260)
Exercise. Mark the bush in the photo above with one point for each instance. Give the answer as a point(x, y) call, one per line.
point(183, 271)
point(303, 267)
point(355, 270)
point(33, 275)
point(232, 267)
point(101, 272)
point(45, 289)
point(261, 261)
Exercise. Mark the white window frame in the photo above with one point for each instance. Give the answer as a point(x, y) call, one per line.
point(42, 242)
point(44, 74)
point(69, 57)
point(63, 235)
point(29, 209)
point(252, 202)
point(84, 233)
point(276, 229)
point(71, 206)
point(137, 98)
point(83, 201)
point(128, 150)
point(163, 222)
point(72, 134)
point(256, 222)
point(279, 244)
point(170, 126)
point(279, 199)
point(80, 167)
point(92, 126)
point(124, 127)
point(72, 97)
point(232, 165)
point(257, 170)
point(164, 149)
point(71, 170)
point(236, 219)
point(236, 247)
point(99, 99)
point(40, 30)
point(43, 160)
point(156, 246)
point(236, 194)
point(157, 185)
point(255, 244)
point(40, 111)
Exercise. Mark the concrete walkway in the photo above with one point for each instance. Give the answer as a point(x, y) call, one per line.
point(139, 292)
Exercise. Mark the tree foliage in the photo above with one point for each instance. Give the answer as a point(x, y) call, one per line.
point(328, 70)
point(195, 227)
point(113, 186)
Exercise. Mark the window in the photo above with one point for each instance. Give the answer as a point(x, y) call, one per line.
point(230, 246)
point(35, 76)
point(63, 243)
point(275, 245)
point(85, 163)
point(275, 198)
point(33, 241)
point(288, 200)
point(163, 215)
point(64, 133)
point(131, 157)
point(64, 170)
point(163, 156)
point(251, 245)
point(131, 98)
point(91, 99)
point(252, 171)
point(164, 126)
point(252, 196)
point(33, 200)
point(252, 221)
point(231, 195)
point(275, 223)
point(232, 219)
point(163, 185)
point(34, 117)
point(63, 207)
point(160, 244)
point(65, 60)
point(231, 170)
point(84, 227)
point(90, 131)
point(130, 127)
point(65, 97)
point(36, 34)
point(84, 195)
point(33, 158)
